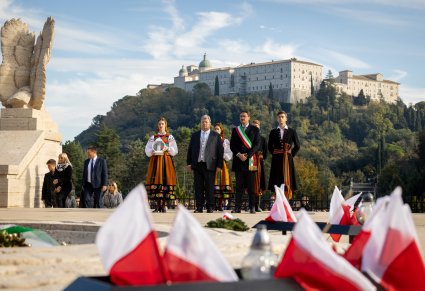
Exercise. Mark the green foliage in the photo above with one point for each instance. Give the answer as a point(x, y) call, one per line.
point(232, 224)
point(108, 147)
point(339, 141)
point(136, 164)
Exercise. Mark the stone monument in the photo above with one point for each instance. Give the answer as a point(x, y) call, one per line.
point(28, 135)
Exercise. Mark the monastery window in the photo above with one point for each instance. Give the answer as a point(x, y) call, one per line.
point(281, 70)
point(257, 78)
point(281, 77)
point(265, 77)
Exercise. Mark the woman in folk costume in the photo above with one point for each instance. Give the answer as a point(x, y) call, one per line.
point(223, 183)
point(161, 177)
point(283, 145)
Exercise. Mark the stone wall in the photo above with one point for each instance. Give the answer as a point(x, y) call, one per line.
point(28, 138)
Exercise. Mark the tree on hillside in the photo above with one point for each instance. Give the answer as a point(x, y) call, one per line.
point(330, 77)
point(136, 164)
point(361, 99)
point(311, 86)
point(108, 147)
point(270, 95)
point(77, 157)
point(201, 91)
point(216, 87)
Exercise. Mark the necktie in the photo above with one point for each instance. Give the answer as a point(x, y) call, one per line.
point(92, 170)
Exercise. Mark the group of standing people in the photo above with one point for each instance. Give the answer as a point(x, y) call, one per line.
point(207, 155)
point(58, 187)
point(57, 184)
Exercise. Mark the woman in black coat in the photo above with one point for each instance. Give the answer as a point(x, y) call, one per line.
point(62, 179)
point(283, 146)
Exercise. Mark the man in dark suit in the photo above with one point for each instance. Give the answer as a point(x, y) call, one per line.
point(204, 157)
point(95, 180)
point(283, 145)
point(244, 143)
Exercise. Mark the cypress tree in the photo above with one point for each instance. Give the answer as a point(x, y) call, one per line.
point(271, 91)
point(216, 87)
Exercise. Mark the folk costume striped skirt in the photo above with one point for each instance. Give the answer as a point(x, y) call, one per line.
point(161, 177)
point(223, 183)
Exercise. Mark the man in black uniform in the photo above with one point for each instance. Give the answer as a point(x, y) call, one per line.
point(283, 145)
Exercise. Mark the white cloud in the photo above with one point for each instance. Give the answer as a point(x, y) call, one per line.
point(346, 61)
point(279, 51)
point(411, 94)
point(398, 75)
point(164, 42)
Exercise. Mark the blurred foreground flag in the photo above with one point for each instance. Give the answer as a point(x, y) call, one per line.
point(339, 212)
point(391, 255)
point(127, 243)
point(310, 260)
point(281, 210)
point(191, 255)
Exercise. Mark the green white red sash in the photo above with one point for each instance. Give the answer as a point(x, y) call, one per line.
point(252, 161)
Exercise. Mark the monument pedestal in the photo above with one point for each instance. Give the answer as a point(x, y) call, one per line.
point(28, 138)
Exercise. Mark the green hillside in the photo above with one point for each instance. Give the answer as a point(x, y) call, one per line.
point(342, 137)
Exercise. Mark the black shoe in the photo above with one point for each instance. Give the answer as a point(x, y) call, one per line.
point(252, 211)
point(220, 209)
point(237, 210)
point(209, 210)
point(258, 209)
point(198, 211)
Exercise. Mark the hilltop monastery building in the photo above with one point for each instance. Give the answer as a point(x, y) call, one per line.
point(290, 80)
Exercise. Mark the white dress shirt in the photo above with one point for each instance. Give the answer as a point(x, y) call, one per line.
point(282, 130)
point(90, 166)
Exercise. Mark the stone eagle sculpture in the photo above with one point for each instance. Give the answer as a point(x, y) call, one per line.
point(23, 68)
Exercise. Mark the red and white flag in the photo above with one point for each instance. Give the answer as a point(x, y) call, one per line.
point(310, 260)
point(281, 210)
point(355, 252)
point(391, 255)
point(352, 201)
point(339, 212)
point(127, 243)
point(191, 255)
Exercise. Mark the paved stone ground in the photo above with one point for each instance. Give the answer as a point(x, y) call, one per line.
point(54, 268)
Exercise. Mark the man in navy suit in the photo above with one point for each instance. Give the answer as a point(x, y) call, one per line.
point(204, 157)
point(95, 180)
point(245, 143)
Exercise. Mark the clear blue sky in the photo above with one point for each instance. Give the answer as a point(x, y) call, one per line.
point(104, 50)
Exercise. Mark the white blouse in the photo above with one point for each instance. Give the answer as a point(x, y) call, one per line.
point(172, 146)
point(227, 156)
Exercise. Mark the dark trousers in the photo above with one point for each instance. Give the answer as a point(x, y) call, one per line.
point(91, 197)
point(60, 199)
point(204, 186)
point(244, 180)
